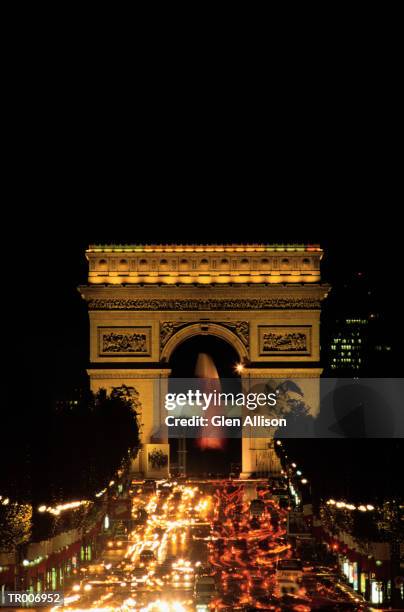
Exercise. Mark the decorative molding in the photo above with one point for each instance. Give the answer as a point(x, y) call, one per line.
point(298, 303)
point(240, 328)
point(250, 374)
point(284, 340)
point(146, 373)
point(169, 328)
point(124, 341)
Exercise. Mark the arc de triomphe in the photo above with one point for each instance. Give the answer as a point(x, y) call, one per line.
point(145, 300)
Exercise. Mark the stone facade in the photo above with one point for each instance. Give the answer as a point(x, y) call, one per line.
point(144, 301)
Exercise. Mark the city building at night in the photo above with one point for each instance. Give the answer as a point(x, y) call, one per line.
point(348, 346)
point(358, 335)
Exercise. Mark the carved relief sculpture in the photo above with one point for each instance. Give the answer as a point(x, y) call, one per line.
point(286, 342)
point(279, 340)
point(203, 304)
point(168, 329)
point(240, 328)
point(124, 341)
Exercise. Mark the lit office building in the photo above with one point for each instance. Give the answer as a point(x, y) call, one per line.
point(358, 334)
point(349, 344)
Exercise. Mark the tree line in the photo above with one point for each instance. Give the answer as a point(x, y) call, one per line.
point(70, 450)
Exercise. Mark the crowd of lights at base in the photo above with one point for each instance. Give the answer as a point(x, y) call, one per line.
point(190, 532)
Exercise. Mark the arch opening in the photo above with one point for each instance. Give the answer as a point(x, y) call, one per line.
point(185, 362)
point(184, 357)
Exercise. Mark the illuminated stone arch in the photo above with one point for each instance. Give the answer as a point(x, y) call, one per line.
point(144, 301)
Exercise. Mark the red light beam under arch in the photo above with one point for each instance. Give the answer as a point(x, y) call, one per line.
point(206, 371)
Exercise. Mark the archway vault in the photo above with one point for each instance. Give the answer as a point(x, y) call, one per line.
point(204, 329)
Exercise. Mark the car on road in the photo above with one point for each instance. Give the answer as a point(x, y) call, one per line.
point(239, 543)
point(286, 586)
point(149, 486)
point(257, 507)
point(139, 575)
point(255, 524)
point(201, 531)
point(115, 544)
point(96, 569)
point(284, 503)
point(204, 569)
point(204, 589)
point(289, 569)
point(146, 557)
